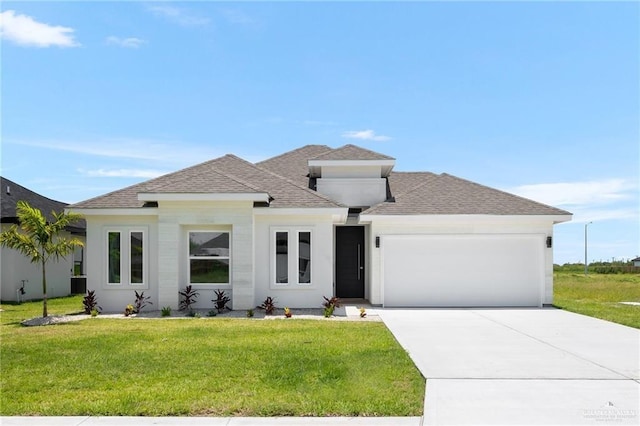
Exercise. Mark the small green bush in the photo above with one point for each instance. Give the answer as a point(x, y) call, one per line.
point(130, 309)
point(328, 311)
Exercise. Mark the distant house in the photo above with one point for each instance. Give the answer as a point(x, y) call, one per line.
point(19, 278)
point(319, 221)
point(636, 262)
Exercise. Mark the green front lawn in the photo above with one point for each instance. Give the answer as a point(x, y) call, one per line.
point(198, 367)
point(599, 295)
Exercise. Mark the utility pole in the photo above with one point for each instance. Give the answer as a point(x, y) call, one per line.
point(586, 264)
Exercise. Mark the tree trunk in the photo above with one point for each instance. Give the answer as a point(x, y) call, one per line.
point(44, 289)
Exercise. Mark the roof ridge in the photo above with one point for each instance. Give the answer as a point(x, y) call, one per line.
point(143, 183)
point(219, 173)
point(349, 145)
point(115, 191)
point(402, 194)
point(560, 211)
point(294, 150)
point(316, 193)
point(427, 180)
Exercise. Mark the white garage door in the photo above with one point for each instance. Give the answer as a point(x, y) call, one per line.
point(462, 270)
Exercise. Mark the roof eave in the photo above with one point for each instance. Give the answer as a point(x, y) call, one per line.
point(108, 211)
point(555, 219)
point(183, 196)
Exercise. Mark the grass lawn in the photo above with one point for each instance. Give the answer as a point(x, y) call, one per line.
point(198, 367)
point(598, 295)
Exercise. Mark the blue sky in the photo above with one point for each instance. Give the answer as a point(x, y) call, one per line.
point(540, 99)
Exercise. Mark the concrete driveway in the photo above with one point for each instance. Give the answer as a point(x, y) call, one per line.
point(521, 366)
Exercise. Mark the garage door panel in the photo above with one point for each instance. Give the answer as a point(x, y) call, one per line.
point(462, 270)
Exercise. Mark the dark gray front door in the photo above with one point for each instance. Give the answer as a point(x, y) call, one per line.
point(350, 261)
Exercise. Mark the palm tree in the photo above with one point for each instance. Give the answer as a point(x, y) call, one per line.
point(39, 240)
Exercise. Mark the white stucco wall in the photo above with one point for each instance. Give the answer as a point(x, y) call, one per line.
point(15, 267)
point(461, 225)
point(167, 253)
point(114, 298)
point(355, 192)
point(294, 295)
point(351, 171)
point(176, 219)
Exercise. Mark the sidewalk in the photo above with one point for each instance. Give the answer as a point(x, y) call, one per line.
point(209, 421)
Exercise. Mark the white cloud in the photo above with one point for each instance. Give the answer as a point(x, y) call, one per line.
point(598, 200)
point(579, 193)
point(126, 173)
point(129, 42)
point(169, 153)
point(25, 31)
point(367, 135)
point(179, 16)
point(584, 215)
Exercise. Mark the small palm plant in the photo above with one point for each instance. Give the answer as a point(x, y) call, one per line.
point(40, 240)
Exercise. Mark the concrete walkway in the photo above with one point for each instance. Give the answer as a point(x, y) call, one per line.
point(521, 366)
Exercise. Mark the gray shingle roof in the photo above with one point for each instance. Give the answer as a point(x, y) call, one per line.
point(294, 164)
point(228, 174)
point(446, 194)
point(285, 179)
point(351, 152)
point(401, 182)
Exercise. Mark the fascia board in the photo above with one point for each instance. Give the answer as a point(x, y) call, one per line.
point(351, 163)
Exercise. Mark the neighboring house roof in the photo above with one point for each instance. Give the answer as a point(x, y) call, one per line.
point(228, 174)
point(12, 193)
point(447, 195)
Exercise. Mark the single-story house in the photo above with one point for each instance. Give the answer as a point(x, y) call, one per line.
point(19, 278)
point(314, 222)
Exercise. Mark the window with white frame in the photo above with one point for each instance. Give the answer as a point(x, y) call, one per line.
point(136, 257)
point(114, 258)
point(126, 257)
point(209, 257)
point(291, 257)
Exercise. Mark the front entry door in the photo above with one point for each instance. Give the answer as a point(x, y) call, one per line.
point(350, 261)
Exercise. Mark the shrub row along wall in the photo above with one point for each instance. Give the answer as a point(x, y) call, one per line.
point(600, 268)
